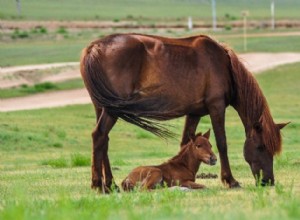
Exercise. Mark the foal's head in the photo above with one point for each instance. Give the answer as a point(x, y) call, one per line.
point(202, 148)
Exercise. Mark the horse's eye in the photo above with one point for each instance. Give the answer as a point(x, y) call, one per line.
point(261, 148)
point(198, 145)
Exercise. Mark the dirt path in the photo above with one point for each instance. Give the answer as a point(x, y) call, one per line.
point(256, 63)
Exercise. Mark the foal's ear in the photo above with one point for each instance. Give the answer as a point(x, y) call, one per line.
point(282, 125)
point(192, 137)
point(207, 134)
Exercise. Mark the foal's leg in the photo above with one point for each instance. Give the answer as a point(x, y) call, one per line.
point(192, 185)
point(101, 172)
point(217, 115)
point(191, 123)
point(153, 178)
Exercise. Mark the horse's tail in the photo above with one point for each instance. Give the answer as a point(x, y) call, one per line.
point(141, 112)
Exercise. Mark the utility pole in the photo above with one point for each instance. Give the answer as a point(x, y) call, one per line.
point(190, 23)
point(214, 15)
point(245, 14)
point(273, 15)
point(19, 7)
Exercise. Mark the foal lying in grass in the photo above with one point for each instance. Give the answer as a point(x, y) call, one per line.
point(178, 171)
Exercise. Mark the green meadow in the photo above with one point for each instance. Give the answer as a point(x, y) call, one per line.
point(45, 165)
point(45, 155)
point(54, 47)
point(142, 10)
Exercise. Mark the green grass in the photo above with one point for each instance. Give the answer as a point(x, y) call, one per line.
point(25, 90)
point(50, 49)
point(137, 9)
point(45, 173)
point(264, 44)
point(32, 51)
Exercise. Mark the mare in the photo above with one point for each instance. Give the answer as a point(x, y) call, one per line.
point(180, 170)
point(146, 79)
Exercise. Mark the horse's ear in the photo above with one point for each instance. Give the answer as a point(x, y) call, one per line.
point(282, 125)
point(207, 134)
point(258, 127)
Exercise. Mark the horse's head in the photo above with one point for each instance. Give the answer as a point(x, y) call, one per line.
point(202, 148)
point(261, 144)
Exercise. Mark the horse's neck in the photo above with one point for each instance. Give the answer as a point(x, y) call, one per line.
point(250, 103)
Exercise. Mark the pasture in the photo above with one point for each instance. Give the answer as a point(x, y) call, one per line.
point(144, 10)
point(45, 159)
point(45, 155)
point(55, 47)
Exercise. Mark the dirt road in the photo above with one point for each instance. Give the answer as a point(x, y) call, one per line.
point(255, 62)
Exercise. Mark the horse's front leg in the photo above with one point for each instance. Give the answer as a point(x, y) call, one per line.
point(191, 123)
point(102, 178)
point(217, 115)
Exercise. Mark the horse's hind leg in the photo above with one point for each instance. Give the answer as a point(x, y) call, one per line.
point(191, 123)
point(102, 177)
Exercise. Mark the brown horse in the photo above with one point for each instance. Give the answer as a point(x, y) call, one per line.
point(143, 79)
point(180, 170)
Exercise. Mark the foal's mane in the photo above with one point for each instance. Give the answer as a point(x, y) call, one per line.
point(182, 153)
point(252, 104)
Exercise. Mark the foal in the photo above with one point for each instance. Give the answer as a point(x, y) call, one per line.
point(178, 171)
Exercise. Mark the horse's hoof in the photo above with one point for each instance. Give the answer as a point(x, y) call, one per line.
point(234, 184)
point(231, 184)
point(266, 183)
point(106, 189)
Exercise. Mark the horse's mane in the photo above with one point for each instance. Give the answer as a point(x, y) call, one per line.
point(252, 104)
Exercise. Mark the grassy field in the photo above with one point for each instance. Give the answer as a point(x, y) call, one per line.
point(25, 90)
point(143, 9)
point(45, 173)
point(54, 47)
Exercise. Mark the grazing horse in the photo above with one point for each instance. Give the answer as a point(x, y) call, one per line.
point(180, 170)
point(145, 79)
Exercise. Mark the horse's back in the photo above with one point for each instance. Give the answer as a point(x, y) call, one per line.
point(173, 75)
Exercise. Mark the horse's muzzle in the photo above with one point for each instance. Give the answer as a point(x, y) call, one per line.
point(212, 160)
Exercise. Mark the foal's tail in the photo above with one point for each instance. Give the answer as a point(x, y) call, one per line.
point(127, 185)
point(141, 112)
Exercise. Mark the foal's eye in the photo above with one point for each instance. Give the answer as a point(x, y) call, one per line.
point(198, 145)
point(261, 148)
